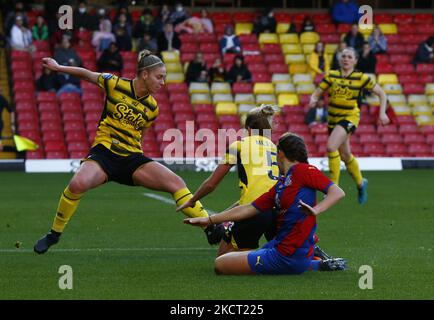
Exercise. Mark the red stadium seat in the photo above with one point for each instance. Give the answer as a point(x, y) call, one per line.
point(427, 129)
point(221, 17)
point(396, 149)
point(277, 68)
point(405, 119)
point(189, 47)
point(408, 78)
point(423, 18)
point(408, 128)
point(419, 150)
point(403, 18)
point(241, 87)
point(367, 138)
point(330, 38)
point(260, 77)
point(37, 154)
point(413, 88)
point(243, 17)
point(425, 68)
point(248, 38)
point(74, 126)
point(384, 68)
point(46, 97)
point(204, 108)
point(275, 59)
point(56, 154)
point(383, 18)
point(25, 105)
point(387, 129)
point(391, 138)
point(366, 128)
point(414, 138)
point(209, 47)
point(325, 28)
point(396, 48)
point(177, 87)
point(374, 149)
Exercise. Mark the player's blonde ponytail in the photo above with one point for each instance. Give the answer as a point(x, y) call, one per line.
point(261, 118)
point(146, 61)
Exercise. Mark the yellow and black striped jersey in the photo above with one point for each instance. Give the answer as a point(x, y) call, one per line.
point(256, 158)
point(124, 116)
point(344, 93)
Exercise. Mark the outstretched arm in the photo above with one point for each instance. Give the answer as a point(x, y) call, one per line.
point(208, 185)
point(81, 73)
point(315, 97)
point(383, 119)
point(334, 194)
point(234, 214)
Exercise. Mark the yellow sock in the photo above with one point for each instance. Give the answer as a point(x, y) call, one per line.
point(67, 205)
point(334, 166)
point(354, 170)
point(182, 196)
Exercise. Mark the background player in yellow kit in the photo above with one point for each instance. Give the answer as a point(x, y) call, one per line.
point(116, 154)
point(255, 157)
point(344, 87)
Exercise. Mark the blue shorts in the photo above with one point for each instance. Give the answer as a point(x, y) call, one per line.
point(268, 260)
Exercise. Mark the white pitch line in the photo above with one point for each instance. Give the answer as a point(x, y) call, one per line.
point(168, 200)
point(108, 249)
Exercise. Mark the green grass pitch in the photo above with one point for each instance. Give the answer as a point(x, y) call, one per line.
point(123, 245)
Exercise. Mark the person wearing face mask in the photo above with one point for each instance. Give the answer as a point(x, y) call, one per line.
point(179, 15)
point(82, 19)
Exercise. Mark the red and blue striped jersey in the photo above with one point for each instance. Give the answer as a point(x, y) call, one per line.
point(295, 229)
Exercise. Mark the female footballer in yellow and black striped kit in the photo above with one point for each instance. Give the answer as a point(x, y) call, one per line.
point(255, 158)
point(344, 87)
point(116, 154)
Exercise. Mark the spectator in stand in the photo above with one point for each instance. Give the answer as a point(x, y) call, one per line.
point(147, 43)
point(425, 52)
point(203, 77)
point(64, 54)
point(266, 23)
point(40, 29)
point(83, 20)
point(69, 83)
point(4, 104)
point(239, 71)
point(230, 42)
point(162, 18)
point(318, 61)
point(168, 40)
point(354, 38)
point(206, 21)
point(48, 81)
point(110, 60)
point(318, 114)
point(146, 24)
point(192, 25)
point(178, 15)
point(21, 37)
point(377, 41)
point(101, 39)
point(123, 10)
point(367, 60)
point(195, 67)
point(345, 11)
point(217, 72)
point(337, 55)
point(11, 16)
point(122, 31)
point(56, 34)
point(307, 25)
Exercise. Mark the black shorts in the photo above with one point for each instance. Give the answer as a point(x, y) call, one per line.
point(118, 168)
point(347, 125)
point(246, 233)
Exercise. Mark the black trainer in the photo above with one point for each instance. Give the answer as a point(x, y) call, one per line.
point(214, 233)
point(320, 253)
point(335, 264)
point(46, 242)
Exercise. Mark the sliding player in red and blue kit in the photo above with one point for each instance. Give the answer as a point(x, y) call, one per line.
point(291, 251)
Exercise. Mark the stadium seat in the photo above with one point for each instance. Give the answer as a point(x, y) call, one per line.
point(417, 99)
point(388, 28)
point(411, 138)
point(265, 99)
point(242, 87)
point(261, 77)
point(263, 88)
point(295, 59)
point(284, 87)
point(396, 150)
point(274, 68)
point(289, 99)
point(387, 78)
point(200, 98)
point(289, 38)
point(309, 37)
point(242, 98)
point(291, 48)
point(302, 78)
point(220, 87)
point(175, 78)
point(198, 87)
point(226, 108)
point(305, 88)
point(281, 78)
point(222, 97)
point(268, 38)
point(170, 56)
point(419, 150)
point(243, 28)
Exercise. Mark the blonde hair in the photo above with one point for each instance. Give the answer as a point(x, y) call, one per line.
point(261, 118)
point(146, 60)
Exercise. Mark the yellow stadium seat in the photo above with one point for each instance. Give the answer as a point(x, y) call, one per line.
point(391, 88)
point(263, 87)
point(298, 68)
point(226, 108)
point(366, 32)
point(284, 88)
point(288, 99)
point(246, 107)
point(282, 27)
point(222, 97)
point(402, 110)
point(280, 77)
point(174, 67)
point(198, 87)
point(268, 38)
point(295, 59)
point(387, 78)
point(373, 100)
point(425, 120)
point(176, 77)
point(291, 48)
point(429, 88)
point(220, 87)
point(302, 78)
point(417, 99)
point(266, 98)
point(289, 38)
point(242, 98)
point(243, 28)
point(200, 98)
point(388, 28)
point(419, 110)
point(396, 100)
point(170, 56)
point(309, 37)
point(305, 88)
point(431, 100)
point(308, 48)
point(330, 48)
